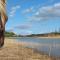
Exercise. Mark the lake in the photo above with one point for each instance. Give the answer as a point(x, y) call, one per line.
point(50, 46)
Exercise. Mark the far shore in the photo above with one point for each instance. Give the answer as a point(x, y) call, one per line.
point(50, 37)
point(39, 37)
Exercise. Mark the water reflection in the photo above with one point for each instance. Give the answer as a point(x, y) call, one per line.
point(49, 46)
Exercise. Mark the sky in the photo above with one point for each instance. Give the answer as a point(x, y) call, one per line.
point(33, 16)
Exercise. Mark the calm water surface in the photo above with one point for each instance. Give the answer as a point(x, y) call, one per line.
point(48, 45)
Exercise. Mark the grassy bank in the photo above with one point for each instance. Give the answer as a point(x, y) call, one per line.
point(16, 51)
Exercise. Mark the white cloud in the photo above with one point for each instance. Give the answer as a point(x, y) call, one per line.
point(51, 1)
point(23, 26)
point(10, 30)
point(15, 7)
point(26, 32)
point(46, 12)
point(57, 5)
point(13, 10)
point(28, 10)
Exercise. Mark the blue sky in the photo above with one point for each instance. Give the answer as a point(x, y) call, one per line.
point(33, 16)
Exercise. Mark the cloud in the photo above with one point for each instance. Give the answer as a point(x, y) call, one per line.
point(16, 7)
point(50, 1)
point(46, 12)
point(28, 10)
point(26, 32)
point(23, 26)
point(10, 30)
point(13, 10)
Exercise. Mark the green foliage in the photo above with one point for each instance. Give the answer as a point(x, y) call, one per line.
point(9, 34)
point(44, 35)
point(12, 34)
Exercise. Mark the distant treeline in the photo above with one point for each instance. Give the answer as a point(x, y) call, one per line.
point(44, 35)
point(12, 34)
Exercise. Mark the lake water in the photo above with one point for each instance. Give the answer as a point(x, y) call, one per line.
point(50, 46)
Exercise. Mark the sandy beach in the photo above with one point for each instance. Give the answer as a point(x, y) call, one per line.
point(13, 50)
point(50, 37)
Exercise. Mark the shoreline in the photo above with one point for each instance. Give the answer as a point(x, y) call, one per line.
point(50, 37)
point(16, 51)
point(37, 37)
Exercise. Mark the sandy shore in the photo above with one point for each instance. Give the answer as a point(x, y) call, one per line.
point(50, 37)
point(16, 51)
